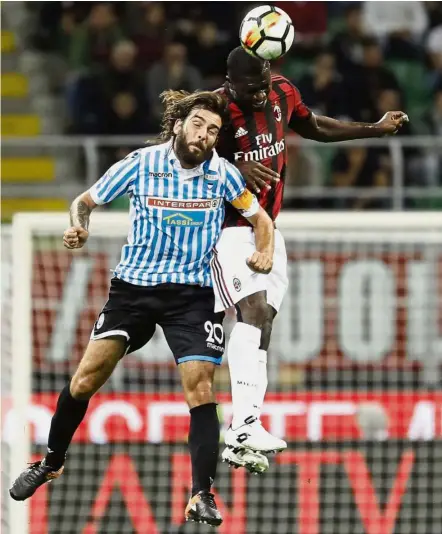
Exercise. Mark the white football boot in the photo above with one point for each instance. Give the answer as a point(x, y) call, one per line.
point(252, 435)
point(255, 462)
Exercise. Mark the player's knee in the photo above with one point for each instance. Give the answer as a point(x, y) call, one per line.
point(253, 310)
point(200, 391)
point(85, 384)
point(83, 387)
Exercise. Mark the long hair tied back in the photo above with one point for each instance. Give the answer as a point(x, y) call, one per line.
point(178, 105)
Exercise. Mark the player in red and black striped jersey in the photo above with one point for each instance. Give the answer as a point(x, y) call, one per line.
point(262, 107)
point(257, 133)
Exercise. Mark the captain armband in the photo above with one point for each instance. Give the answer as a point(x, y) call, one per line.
point(247, 204)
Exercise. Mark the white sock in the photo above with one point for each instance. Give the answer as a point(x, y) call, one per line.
point(243, 366)
point(261, 386)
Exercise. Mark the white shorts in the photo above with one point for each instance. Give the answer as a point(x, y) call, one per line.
point(233, 280)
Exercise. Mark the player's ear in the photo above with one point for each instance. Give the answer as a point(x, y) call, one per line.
point(178, 126)
point(231, 87)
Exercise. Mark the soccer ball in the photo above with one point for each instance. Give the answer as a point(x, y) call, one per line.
point(266, 32)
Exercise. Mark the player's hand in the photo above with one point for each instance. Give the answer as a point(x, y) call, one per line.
point(75, 237)
point(257, 175)
point(260, 262)
point(391, 122)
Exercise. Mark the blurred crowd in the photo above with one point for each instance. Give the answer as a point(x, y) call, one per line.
point(352, 60)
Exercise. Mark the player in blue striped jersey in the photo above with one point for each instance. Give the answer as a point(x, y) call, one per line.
point(176, 214)
point(177, 191)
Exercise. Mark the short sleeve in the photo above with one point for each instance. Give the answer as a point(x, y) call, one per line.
point(300, 111)
point(117, 180)
point(235, 183)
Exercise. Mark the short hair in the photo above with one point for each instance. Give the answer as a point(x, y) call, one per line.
point(240, 63)
point(179, 104)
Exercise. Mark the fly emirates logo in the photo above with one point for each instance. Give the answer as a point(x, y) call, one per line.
point(265, 149)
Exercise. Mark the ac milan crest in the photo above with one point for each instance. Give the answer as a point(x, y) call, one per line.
point(277, 112)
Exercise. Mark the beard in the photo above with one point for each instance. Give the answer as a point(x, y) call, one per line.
point(184, 153)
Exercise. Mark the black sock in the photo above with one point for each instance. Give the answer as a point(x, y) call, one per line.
point(204, 446)
point(66, 420)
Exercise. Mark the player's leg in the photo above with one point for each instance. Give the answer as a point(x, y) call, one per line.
point(248, 378)
point(254, 462)
point(261, 382)
point(195, 335)
point(243, 354)
point(277, 284)
point(120, 328)
point(235, 284)
point(96, 366)
point(197, 380)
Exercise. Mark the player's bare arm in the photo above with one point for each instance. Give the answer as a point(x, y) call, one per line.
point(257, 175)
point(77, 234)
point(262, 260)
point(327, 130)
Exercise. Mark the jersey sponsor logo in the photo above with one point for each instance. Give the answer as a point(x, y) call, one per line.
point(277, 112)
point(264, 139)
point(198, 204)
point(160, 174)
point(177, 218)
point(240, 132)
point(262, 152)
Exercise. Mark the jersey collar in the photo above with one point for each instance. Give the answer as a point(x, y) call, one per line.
point(209, 167)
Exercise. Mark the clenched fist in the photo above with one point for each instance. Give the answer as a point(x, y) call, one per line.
point(260, 262)
point(75, 237)
point(392, 121)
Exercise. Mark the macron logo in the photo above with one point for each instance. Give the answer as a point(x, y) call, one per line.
point(240, 132)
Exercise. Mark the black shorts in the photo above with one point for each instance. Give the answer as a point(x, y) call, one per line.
point(184, 312)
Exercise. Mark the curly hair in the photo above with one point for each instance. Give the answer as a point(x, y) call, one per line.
point(178, 105)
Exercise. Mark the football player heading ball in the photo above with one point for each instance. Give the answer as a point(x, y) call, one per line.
point(262, 107)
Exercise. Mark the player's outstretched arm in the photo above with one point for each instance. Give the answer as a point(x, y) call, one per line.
point(327, 130)
point(77, 234)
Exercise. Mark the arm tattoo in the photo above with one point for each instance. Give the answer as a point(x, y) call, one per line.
point(80, 213)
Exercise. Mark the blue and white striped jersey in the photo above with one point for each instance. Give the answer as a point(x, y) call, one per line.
point(176, 214)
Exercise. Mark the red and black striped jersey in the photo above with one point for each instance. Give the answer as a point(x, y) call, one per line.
point(260, 136)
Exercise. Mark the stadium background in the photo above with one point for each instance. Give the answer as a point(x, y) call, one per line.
point(354, 375)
